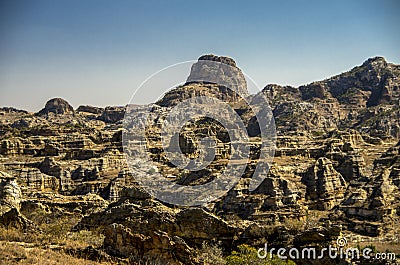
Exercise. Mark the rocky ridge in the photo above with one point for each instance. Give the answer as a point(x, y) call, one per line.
point(337, 158)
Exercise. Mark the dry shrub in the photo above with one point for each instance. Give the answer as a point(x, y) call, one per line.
point(210, 254)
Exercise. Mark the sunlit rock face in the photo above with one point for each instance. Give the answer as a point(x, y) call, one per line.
point(213, 76)
point(218, 70)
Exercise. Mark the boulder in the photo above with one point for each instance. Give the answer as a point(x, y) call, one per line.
point(89, 109)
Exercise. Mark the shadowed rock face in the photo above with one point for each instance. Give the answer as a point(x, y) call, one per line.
point(221, 59)
point(90, 109)
point(375, 81)
point(57, 106)
point(10, 193)
point(363, 98)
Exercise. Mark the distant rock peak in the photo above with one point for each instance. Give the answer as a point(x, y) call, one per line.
point(375, 60)
point(376, 63)
point(218, 70)
point(57, 106)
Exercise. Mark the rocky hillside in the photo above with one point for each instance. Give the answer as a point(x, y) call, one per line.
point(336, 170)
point(365, 98)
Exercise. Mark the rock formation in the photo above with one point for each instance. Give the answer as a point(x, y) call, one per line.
point(210, 76)
point(218, 70)
point(325, 186)
point(337, 164)
point(10, 193)
point(57, 106)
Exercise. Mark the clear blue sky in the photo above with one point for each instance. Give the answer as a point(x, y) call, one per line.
point(98, 52)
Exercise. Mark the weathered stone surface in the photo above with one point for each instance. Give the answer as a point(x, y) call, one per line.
point(136, 225)
point(158, 246)
point(219, 70)
point(325, 186)
point(112, 114)
point(10, 193)
point(10, 203)
point(57, 106)
point(89, 109)
point(317, 235)
point(51, 202)
point(34, 179)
